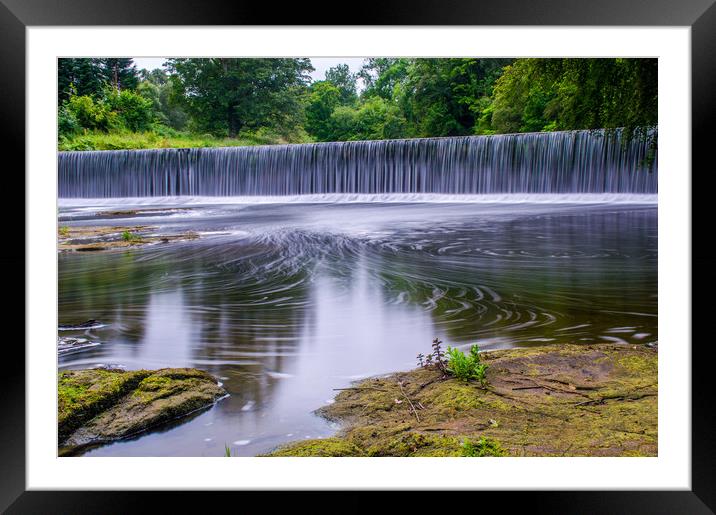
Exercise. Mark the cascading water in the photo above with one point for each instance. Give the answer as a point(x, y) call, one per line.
point(557, 162)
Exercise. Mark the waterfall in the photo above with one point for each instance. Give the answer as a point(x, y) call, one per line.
point(555, 162)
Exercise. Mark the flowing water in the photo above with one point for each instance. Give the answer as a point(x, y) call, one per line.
point(557, 162)
point(285, 299)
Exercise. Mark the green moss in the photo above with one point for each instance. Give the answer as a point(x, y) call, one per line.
point(324, 447)
point(82, 394)
point(561, 400)
point(110, 404)
point(417, 444)
point(482, 448)
point(645, 363)
point(452, 396)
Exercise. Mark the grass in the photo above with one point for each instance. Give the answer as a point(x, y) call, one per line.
point(227, 451)
point(122, 140)
point(64, 231)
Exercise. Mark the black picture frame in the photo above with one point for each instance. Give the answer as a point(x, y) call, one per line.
point(700, 15)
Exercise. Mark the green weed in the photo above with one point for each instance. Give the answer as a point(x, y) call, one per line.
point(130, 236)
point(466, 367)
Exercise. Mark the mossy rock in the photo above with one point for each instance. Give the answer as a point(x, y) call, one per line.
point(101, 238)
point(319, 447)
point(98, 405)
point(560, 400)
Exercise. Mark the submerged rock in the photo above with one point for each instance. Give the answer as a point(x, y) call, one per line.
point(559, 400)
point(89, 324)
point(67, 344)
point(142, 212)
point(101, 405)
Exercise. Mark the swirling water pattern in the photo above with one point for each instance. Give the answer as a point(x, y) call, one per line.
point(285, 302)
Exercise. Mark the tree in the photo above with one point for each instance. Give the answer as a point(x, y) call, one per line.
point(342, 78)
point(569, 94)
point(382, 75)
point(224, 95)
point(120, 72)
point(323, 99)
point(156, 87)
point(442, 97)
point(79, 77)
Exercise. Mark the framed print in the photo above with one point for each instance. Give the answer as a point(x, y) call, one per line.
point(431, 235)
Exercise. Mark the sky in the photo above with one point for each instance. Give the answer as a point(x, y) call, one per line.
point(321, 64)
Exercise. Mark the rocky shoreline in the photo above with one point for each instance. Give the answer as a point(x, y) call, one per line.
point(561, 400)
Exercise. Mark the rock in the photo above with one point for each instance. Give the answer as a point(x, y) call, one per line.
point(67, 344)
point(89, 324)
point(555, 400)
point(94, 239)
point(102, 405)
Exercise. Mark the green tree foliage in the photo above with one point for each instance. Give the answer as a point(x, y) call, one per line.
point(373, 119)
point(384, 76)
point(565, 94)
point(263, 101)
point(341, 77)
point(156, 87)
point(132, 110)
point(225, 96)
point(441, 97)
point(120, 72)
point(323, 99)
point(91, 76)
point(79, 77)
point(86, 113)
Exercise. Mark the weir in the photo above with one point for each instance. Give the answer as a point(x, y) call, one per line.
point(555, 162)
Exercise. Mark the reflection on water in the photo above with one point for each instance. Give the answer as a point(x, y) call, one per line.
point(284, 303)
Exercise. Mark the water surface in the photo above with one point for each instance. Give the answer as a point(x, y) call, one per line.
point(286, 302)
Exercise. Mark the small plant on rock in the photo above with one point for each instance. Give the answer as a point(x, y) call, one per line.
point(435, 359)
point(439, 356)
point(130, 236)
point(466, 367)
point(64, 231)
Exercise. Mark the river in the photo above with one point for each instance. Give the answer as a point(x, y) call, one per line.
point(285, 301)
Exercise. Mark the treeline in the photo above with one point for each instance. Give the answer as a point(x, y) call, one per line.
point(109, 103)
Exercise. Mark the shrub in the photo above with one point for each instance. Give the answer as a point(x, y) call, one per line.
point(135, 112)
point(67, 124)
point(88, 113)
point(466, 367)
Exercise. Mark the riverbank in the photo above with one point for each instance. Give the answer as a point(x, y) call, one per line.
point(102, 405)
point(560, 400)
